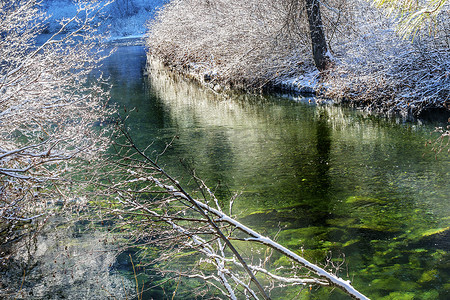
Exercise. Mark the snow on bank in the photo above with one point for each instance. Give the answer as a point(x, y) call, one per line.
point(373, 67)
point(307, 83)
point(122, 18)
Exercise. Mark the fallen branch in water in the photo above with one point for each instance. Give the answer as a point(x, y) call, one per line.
point(161, 213)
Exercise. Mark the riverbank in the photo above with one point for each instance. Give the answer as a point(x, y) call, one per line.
point(324, 88)
point(255, 47)
point(118, 18)
point(312, 152)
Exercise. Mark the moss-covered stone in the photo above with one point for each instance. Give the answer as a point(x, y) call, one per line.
point(361, 200)
point(399, 296)
point(429, 276)
point(438, 231)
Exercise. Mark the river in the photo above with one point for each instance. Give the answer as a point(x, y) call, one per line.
point(338, 183)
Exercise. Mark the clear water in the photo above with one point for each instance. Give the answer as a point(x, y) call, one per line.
point(339, 182)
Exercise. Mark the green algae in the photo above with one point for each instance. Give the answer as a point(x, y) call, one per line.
point(283, 261)
point(391, 283)
point(420, 250)
point(362, 200)
point(429, 295)
point(342, 222)
point(428, 276)
point(399, 296)
point(438, 231)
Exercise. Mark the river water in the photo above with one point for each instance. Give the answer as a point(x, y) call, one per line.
point(339, 183)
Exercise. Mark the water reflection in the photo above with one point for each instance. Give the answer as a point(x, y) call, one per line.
point(332, 179)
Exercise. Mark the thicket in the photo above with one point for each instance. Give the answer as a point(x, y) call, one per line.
point(255, 45)
point(244, 44)
point(48, 109)
point(383, 71)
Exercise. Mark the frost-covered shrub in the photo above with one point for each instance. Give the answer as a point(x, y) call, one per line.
point(47, 109)
point(378, 69)
point(253, 44)
point(243, 43)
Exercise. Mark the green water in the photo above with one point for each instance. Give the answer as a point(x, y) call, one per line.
point(336, 181)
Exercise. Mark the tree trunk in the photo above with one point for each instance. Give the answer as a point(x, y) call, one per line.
point(318, 41)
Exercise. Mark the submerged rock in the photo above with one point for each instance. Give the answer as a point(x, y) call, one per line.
point(61, 263)
point(439, 238)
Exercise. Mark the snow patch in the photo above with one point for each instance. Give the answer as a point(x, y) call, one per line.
point(119, 19)
point(304, 83)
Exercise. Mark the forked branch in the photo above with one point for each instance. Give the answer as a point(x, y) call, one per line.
point(193, 224)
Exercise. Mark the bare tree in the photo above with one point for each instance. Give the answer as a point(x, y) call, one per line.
point(156, 211)
point(319, 46)
point(48, 108)
point(318, 42)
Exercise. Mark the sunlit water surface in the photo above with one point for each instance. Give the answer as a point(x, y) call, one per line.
point(336, 181)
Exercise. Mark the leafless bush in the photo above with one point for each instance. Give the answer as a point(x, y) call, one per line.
point(47, 109)
point(442, 142)
point(379, 70)
point(240, 43)
point(253, 44)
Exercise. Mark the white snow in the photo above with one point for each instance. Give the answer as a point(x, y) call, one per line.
point(120, 19)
